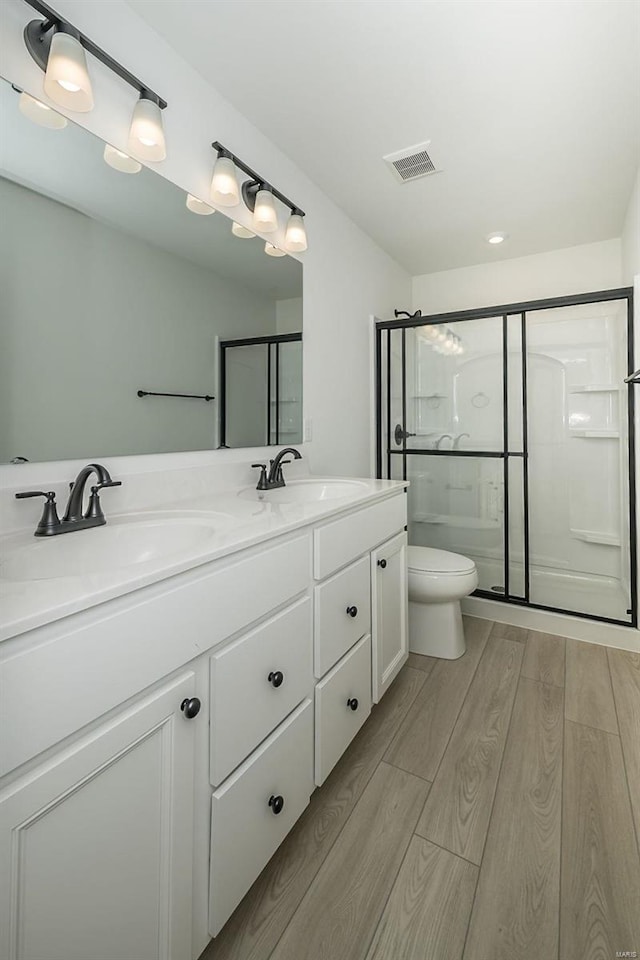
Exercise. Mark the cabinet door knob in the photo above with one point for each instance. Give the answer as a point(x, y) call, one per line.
point(352, 611)
point(190, 707)
point(353, 703)
point(382, 563)
point(276, 677)
point(276, 804)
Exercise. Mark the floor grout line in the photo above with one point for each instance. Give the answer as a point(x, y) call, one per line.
point(410, 772)
point(590, 726)
point(446, 849)
point(624, 759)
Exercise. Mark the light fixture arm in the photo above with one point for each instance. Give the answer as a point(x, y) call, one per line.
point(251, 187)
point(38, 35)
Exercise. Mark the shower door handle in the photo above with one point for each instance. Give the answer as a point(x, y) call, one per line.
point(400, 434)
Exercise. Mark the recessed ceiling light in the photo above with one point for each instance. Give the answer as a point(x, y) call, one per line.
point(497, 237)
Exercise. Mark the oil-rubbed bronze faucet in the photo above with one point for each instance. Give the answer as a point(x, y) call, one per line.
point(50, 524)
point(274, 478)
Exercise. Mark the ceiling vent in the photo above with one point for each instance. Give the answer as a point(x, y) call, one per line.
point(411, 163)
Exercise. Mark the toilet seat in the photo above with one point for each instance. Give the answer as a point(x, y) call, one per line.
point(431, 560)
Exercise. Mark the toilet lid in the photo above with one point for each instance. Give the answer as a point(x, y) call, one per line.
point(430, 560)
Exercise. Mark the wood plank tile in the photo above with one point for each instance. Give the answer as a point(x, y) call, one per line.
point(515, 913)
point(600, 893)
point(428, 911)
point(456, 815)
point(417, 662)
point(625, 674)
point(259, 921)
point(589, 698)
point(424, 734)
point(339, 912)
point(544, 658)
point(507, 631)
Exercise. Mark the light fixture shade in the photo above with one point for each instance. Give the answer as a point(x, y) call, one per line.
point(146, 133)
point(272, 251)
point(296, 236)
point(120, 161)
point(66, 79)
point(224, 183)
point(265, 218)
point(243, 232)
point(40, 113)
point(198, 206)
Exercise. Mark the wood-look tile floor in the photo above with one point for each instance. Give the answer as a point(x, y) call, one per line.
point(489, 809)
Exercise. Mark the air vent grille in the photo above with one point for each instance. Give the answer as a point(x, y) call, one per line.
point(411, 163)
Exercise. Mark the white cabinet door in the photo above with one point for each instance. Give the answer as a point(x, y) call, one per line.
point(389, 607)
point(96, 844)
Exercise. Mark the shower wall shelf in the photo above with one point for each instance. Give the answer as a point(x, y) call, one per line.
point(595, 536)
point(596, 388)
point(595, 434)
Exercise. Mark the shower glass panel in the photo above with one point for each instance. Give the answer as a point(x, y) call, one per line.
point(515, 427)
point(245, 390)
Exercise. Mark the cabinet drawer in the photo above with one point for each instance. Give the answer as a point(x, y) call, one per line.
point(245, 705)
point(336, 543)
point(245, 831)
point(336, 722)
point(335, 628)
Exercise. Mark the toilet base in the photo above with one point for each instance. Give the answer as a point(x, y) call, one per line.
point(435, 630)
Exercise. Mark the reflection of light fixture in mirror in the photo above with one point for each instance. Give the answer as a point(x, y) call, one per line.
point(146, 133)
point(40, 113)
point(120, 161)
point(66, 79)
point(273, 251)
point(295, 239)
point(224, 183)
point(427, 332)
point(198, 206)
point(243, 232)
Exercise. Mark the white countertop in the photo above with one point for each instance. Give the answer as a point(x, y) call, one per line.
point(239, 524)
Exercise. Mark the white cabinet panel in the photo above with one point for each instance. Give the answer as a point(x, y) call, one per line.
point(342, 614)
point(247, 825)
point(255, 682)
point(389, 602)
point(96, 845)
point(337, 543)
point(343, 703)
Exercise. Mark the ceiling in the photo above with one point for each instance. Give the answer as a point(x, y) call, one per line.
point(532, 109)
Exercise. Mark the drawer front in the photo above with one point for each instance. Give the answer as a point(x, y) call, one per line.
point(49, 679)
point(245, 830)
point(336, 628)
point(245, 704)
point(336, 722)
point(336, 544)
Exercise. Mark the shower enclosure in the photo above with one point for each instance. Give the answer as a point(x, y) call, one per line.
point(515, 426)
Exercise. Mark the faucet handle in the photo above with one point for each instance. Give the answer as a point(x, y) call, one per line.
point(49, 521)
point(50, 496)
point(107, 483)
point(262, 482)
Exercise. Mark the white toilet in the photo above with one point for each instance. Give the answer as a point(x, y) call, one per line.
point(438, 580)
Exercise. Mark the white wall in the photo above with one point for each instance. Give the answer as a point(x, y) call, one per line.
point(592, 266)
point(631, 236)
point(346, 276)
point(289, 315)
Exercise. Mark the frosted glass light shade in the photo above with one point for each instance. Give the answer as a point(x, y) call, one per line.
point(146, 133)
point(296, 236)
point(40, 113)
point(224, 183)
point(272, 251)
point(66, 79)
point(198, 206)
point(120, 161)
point(243, 232)
point(265, 218)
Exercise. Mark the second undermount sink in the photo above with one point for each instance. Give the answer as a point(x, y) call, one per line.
point(307, 491)
point(123, 542)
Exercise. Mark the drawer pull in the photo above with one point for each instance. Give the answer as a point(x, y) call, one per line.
point(276, 804)
point(353, 703)
point(275, 678)
point(382, 563)
point(190, 707)
point(352, 611)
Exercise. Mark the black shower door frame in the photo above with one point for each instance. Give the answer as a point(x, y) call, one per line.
point(385, 451)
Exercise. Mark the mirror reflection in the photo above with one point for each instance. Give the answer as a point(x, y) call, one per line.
point(113, 290)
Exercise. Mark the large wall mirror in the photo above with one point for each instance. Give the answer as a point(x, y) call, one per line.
point(112, 291)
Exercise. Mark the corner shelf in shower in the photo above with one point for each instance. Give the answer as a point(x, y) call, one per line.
point(596, 536)
point(595, 434)
point(596, 388)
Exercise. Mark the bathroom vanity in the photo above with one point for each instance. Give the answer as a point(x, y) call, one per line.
point(164, 726)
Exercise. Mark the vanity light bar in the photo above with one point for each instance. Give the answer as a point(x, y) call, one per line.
point(256, 181)
point(39, 33)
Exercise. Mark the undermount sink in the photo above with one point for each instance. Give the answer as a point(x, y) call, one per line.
point(124, 542)
point(307, 491)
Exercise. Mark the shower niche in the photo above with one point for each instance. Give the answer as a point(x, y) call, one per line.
point(515, 427)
